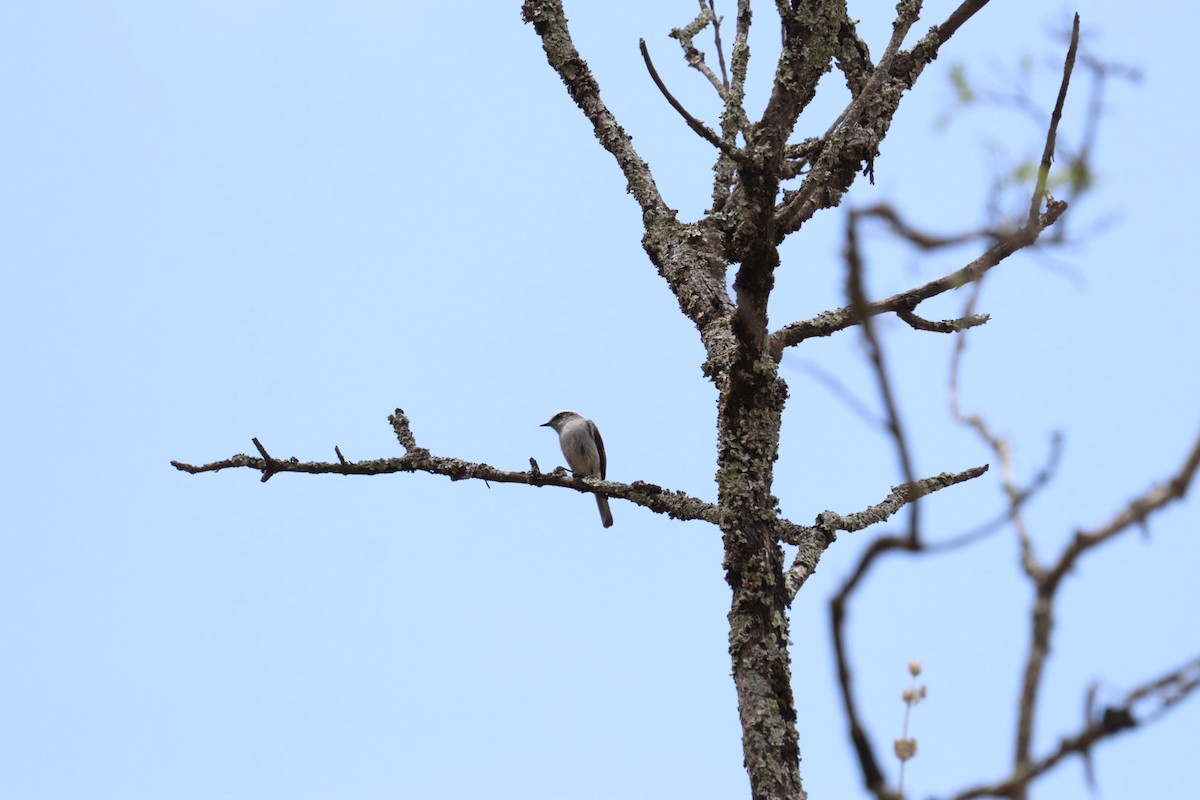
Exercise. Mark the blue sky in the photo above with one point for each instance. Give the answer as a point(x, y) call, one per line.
point(226, 219)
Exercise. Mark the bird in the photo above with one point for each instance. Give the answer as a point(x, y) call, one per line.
point(580, 441)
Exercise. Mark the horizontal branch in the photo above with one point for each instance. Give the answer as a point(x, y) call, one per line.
point(828, 323)
point(813, 540)
point(899, 497)
point(675, 504)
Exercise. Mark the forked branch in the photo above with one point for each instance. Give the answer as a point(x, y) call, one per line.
point(1140, 705)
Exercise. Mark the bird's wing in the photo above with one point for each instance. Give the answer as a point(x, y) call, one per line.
point(600, 447)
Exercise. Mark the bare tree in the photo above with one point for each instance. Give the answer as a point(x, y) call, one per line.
point(766, 187)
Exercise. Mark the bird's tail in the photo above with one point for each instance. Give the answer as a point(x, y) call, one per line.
point(605, 512)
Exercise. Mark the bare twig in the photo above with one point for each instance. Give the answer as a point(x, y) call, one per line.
point(694, 56)
point(270, 465)
point(1035, 203)
point(958, 17)
point(943, 325)
point(899, 497)
point(829, 522)
point(404, 434)
point(696, 125)
point(734, 120)
point(717, 43)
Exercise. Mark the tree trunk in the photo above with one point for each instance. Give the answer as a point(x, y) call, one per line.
point(750, 411)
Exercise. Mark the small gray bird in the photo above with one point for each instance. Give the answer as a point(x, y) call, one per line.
point(580, 441)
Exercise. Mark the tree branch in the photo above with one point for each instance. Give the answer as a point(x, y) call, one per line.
point(675, 504)
point(856, 137)
point(696, 125)
point(921, 239)
point(733, 120)
point(957, 18)
point(1035, 203)
point(853, 57)
point(856, 294)
point(550, 23)
point(899, 497)
point(829, 522)
point(1160, 694)
point(942, 325)
point(851, 139)
point(694, 56)
point(829, 322)
point(688, 256)
point(1136, 512)
point(1046, 583)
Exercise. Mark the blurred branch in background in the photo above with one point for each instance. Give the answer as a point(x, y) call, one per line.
point(1072, 178)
